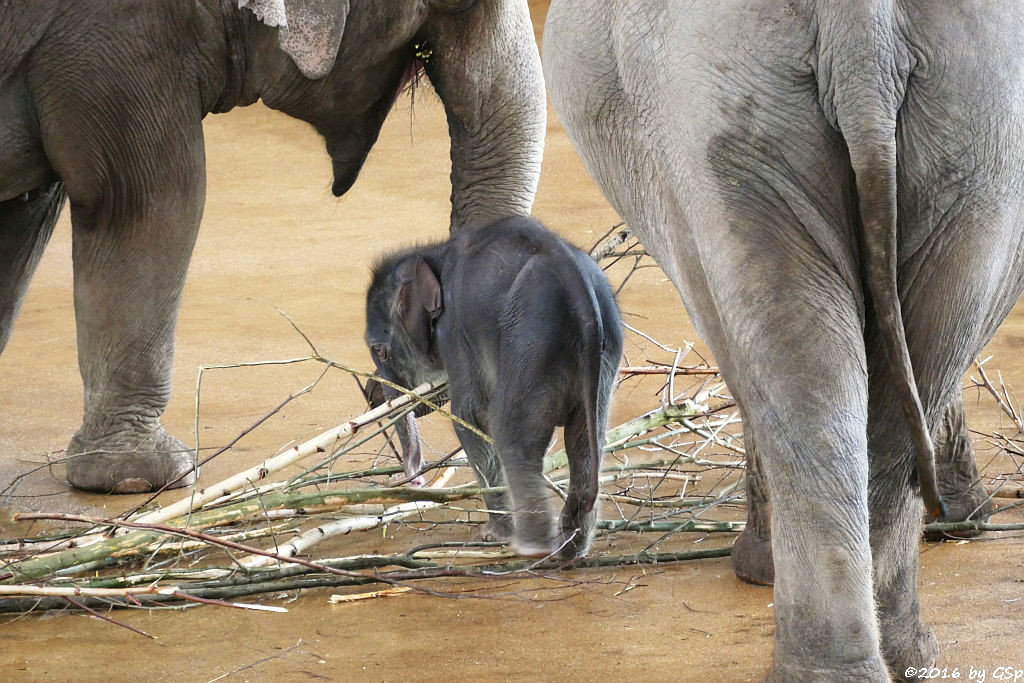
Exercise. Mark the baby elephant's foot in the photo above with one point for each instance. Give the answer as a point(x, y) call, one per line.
point(130, 463)
point(575, 536)
point(526, 544)
point(573, 545)
point(535, 531)
point(752, 558)
point(498, 529)
point(533, 549)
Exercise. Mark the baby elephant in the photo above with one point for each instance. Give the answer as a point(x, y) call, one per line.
point(525, 328)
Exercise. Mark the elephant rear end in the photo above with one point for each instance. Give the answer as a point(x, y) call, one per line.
point(760, 151)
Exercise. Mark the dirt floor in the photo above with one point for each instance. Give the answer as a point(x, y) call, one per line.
point(273, 236)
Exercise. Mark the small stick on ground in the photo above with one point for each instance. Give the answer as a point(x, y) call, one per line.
point(386, 592)
point(104, 617)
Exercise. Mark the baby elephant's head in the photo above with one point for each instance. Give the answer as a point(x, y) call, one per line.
point(402, 308)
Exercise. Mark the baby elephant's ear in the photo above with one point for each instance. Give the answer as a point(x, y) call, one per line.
point(428, 289)
point(418, 301)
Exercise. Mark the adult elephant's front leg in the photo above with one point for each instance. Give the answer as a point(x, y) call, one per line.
point(130, 258)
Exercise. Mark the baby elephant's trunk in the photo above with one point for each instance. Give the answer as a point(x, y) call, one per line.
point(408, 433)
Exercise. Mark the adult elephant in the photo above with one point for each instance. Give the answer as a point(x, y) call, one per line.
point(835, 188)
point(102, 102)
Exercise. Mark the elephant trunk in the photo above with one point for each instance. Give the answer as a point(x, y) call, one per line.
point(408, 433)
point(485, 66)
point(412, 457)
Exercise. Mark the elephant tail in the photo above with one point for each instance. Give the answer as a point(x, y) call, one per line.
point(865, 96)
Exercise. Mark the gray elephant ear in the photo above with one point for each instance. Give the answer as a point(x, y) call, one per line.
point(308, 30)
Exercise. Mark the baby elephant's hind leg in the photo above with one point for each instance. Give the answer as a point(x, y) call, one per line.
point(522, 431)
point(579, 514)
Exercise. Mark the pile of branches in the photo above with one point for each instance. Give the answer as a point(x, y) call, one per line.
point(671, 490)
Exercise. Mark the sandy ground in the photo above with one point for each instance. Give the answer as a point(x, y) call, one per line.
point(274, 237)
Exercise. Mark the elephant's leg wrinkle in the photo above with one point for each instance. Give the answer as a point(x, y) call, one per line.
point(825, 622)
point(959, 482)
point(896, 512)
point(825, 625)
point(895, 528)
point(125, 313)
point(26, 224)
point(129, 273)
point(808, 423)
point(894, 501)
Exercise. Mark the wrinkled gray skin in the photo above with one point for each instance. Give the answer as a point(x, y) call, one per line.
point(102, 102)
point(525, 329)
point(753, 148)
point(959, 482)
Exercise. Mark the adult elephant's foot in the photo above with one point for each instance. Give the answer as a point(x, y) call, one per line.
point(871, 671)
point(752, 558)
point(909, 646)
point(130, 463)
point(974, 505)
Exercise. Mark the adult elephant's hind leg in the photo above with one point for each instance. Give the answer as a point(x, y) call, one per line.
point(752, 552)
point(26, 224)
point(761, 257)
point(961, 271)
point(131, 254)
point(805, 403)
point(944, 299)
point(959, 481)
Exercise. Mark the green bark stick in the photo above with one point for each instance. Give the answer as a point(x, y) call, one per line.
point(640, 425)
point(136, 541)
point(302, 578)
